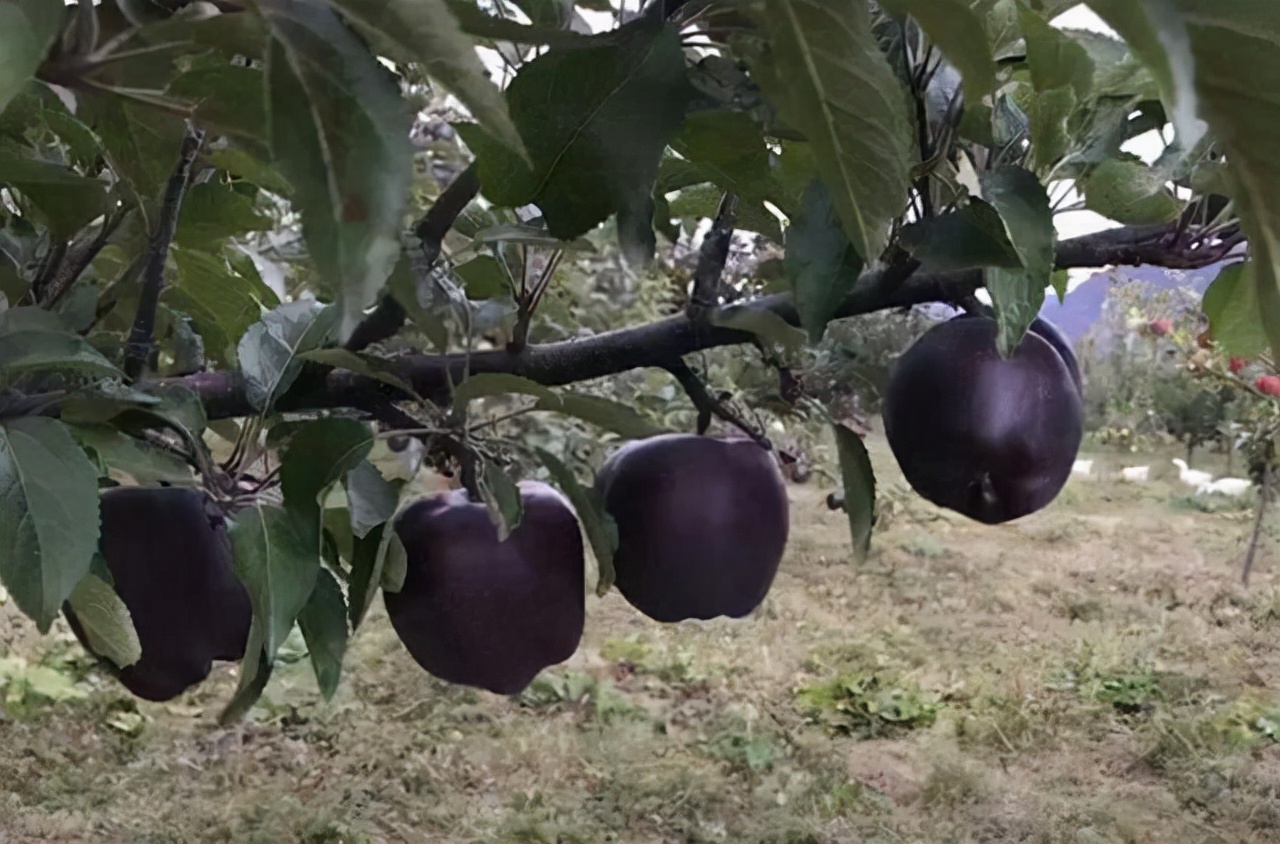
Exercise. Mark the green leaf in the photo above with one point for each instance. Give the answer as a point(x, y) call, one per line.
point(825, 72)
point(34, 339)
point(1235, 315)
point(106, 621)
point(27, 29)
point(600, 527)
point(973, 236)
point(1156, 35)
point(1056, 61)
point(49, 518)
point(502, 497)
point(212, 212)
point(426, 32)
point(147, 464)
point(226, 98)
point(820, 261)
point(342, 141)
point(223, 303)
point(484, 278)
point(1129, 192)
point(623, 420)
point(957, 30)
point(255, 673)
point(1049, 114)
point(368, 559)
point(475, 22)
point(370, 366)
point(859, 481)
point(141, 144)
point(318, 456)
point(1023, 204)
point(269, 350)
point(595, 121)
point(65, 201)
point(278, 561)
point(371, 499)
point(404, 287)
point(323, 622)
point(769, 328)
point(487, 384)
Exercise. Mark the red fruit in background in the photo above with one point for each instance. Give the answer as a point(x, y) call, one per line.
point(702, 524)
point(170, 561)
point(484, 613)
point(1237, 364)
point(1268, 384)
point(1160, 327)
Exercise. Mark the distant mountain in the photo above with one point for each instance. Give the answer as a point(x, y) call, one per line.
point(1083, 305)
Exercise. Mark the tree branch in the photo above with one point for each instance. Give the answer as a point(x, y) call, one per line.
point(78, 259)
point(138, 348)
point(712, 257)
point(657, 343)
point(708, 405)
point(389, 316)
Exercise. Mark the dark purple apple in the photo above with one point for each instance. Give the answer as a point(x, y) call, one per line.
point(170, 559)
point(989, 437)
point(484, 613)
point(1062, 345)
point(702, 524)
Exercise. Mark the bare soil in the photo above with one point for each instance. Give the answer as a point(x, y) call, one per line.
point(1094, 673)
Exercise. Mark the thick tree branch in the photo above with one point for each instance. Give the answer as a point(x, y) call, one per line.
point(658, 343)
point(389, 316)
point(138, 348)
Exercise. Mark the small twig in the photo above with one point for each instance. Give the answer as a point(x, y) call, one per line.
point(138, 348)
point(712, 257)
point(709, 405)
point(1264, 496)
point(78, 259)
point(389, 316)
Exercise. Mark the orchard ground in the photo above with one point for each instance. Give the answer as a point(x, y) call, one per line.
point(1093, 673)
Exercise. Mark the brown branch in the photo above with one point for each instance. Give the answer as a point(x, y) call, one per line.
point(712, 257)
point(657, 343)
point(389, 316)
point(138, 347)
point(78, 259)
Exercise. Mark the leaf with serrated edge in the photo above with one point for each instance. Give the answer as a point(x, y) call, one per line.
point(826, 73)
point(269, 350)
point(1231, 304)
point(106, 621)
point(371, 498)
point(595, 121)
point(323, 622)
point(426, 32)
point(1017, 295)
point(502, 498)
point(278, 564)
point(27, 28)
point(623, 420)
point(342, 141)
point(957, 30)
point(498, 384)
point(317, 457)
point(820, 261)
point(49, 516)
point(859, 481)
point(255, 673)
point(601, 529)
point(770, 328)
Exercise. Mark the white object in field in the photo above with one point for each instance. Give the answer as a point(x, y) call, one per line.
point(1135, 474)
point(1233, 487)
point(1191, 477)
point(1082, 467)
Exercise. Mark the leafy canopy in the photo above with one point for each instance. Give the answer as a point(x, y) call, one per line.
point(859, 142)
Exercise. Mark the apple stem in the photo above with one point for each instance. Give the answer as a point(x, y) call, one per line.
point(709, 405)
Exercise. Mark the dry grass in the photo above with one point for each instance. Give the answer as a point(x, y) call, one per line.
point(1090, 674)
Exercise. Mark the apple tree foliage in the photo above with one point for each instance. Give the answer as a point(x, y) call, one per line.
point(893, 153)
